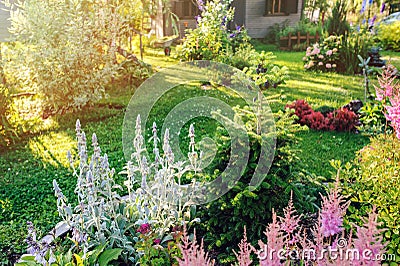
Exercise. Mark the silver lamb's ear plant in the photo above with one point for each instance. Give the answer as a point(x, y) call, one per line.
point(103, 217)
point(160, 199)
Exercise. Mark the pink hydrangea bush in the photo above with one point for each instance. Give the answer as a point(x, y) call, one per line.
point(323, 56)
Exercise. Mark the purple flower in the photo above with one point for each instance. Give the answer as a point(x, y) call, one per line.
point(157, 241)
point(371, 21)
point(363, 5)
point(238, 28)
point(144, 228)
point(232, 35)
point(370, 2)
point(223, 23)
point(383, 7)
point(200, 5)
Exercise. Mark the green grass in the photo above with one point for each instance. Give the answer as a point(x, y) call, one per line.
point(28, 168)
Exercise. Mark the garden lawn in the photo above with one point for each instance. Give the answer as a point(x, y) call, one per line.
point(28, 167)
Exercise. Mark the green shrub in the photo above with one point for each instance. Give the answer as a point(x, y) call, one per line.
point(303, 26)
point(211, 37)
point(389, 36)
point(274, 32)
point(69, 49)
point(337, 23)
point(354, 43)
point(346, 50)
point(224, 218)
point(372, 118)
point(374, 180)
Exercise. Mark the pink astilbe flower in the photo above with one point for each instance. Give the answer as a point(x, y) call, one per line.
point(245, 250)
point(192, 253)
point(386, 83)
point(317, 245)
point(369, 237)
point(289, 223)
point(275, 241)
point(332, 211)
point(341, 246)
point(389, 92)
point(393, 115)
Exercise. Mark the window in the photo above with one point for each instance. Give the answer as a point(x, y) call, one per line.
point(186, 9)
point(281, 7)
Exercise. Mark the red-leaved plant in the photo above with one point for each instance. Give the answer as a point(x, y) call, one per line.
point(339, 120)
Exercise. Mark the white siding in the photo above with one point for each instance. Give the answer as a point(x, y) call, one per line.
point(4, 23)
point(257, 24)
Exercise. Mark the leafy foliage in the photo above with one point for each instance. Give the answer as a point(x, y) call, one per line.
point(289, 242)
point(337, 23)
point(356, 42)
point(212, 40)
point(211, 37)
point(104, 218)
point(372, 119)
point(225, 217)
point(69, 49)
point(373, 180)
point(389, 36)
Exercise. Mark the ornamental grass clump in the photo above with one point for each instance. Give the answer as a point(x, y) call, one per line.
point(145, 218)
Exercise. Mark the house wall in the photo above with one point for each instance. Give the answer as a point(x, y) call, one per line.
point(251, 14)
point(257, 23)
point(4, 23)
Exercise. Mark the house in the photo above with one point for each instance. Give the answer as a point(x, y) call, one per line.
point(4, 23)
point(256, 15)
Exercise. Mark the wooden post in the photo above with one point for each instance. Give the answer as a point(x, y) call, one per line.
point(298, 38)
point(290, 41)
point(308, 39)
point(316, 37)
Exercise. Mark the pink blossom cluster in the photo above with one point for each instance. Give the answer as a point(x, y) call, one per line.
point(322, 56)
point(388, 92)
point(287, 234)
